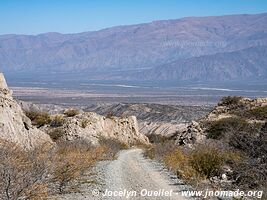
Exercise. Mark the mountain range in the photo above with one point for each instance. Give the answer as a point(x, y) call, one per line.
point(216, 48)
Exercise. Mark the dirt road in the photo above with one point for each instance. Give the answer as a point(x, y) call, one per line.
point(131, 176)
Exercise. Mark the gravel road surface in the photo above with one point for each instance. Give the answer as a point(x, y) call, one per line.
point(130, 176)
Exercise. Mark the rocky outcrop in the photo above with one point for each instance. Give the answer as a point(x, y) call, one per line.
point(193, 133)
point(228, 107)
point(233, 106)
point(166, 129)
point(91, 127)
point(154, 119)
point(14, 125)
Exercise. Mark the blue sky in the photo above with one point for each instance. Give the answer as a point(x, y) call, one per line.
point(72, 16)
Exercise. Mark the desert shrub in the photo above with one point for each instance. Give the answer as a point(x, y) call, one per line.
point(113, 146)
point(57, 121)
point(217, 129)
point(250, 174)
point(230, 101)
point(38, 119)
point(23, 174)
point(71, 112)
point(44, 171)
point(110, 115)
point(195, 165)
point(178, 161)
point(259, 113)
point(233, 157)
point(252, 141)
point(156, 138)
point(71, 160)
point(159, 150)
point(56, 134)
point(207, 161)
point(84, 123)
point(31, 114)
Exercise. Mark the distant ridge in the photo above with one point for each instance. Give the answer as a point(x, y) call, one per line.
point(154, 45)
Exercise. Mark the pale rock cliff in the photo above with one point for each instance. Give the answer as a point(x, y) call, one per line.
point(92, 127)
point(14, 125)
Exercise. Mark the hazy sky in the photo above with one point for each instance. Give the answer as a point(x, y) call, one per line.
point(70, 16)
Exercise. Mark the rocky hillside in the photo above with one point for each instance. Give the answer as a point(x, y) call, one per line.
point(120, 51)
point(32, 126)
point(14, 125)
point(92, 127)
point(225, 150)
point(237, 65)
point(232, 118)
point(154, 118)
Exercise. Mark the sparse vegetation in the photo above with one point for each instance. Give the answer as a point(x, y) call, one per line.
point(192, 165)
point(110, 115)
point(259, 113)
point(157, 138)
point(57, 121)
point(239, 144)
point(23, 175)
point(218, 129)
point(207, 161)
point(38, 119)
point(49, 169)
point(84, 123)
point(159, 150)
point(71, 160)
point(56, 134)
point(71, 112)
point(178, 161)
point(113, 146)
point(230, 101)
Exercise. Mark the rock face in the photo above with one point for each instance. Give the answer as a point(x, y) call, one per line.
point(225, 109)
point(193, 133)
point(91, 127)
point(229, 107)
point(14, 125)
point(153, 118)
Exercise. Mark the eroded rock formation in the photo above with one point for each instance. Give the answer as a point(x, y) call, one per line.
point(92, 127)
point(14, 125)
